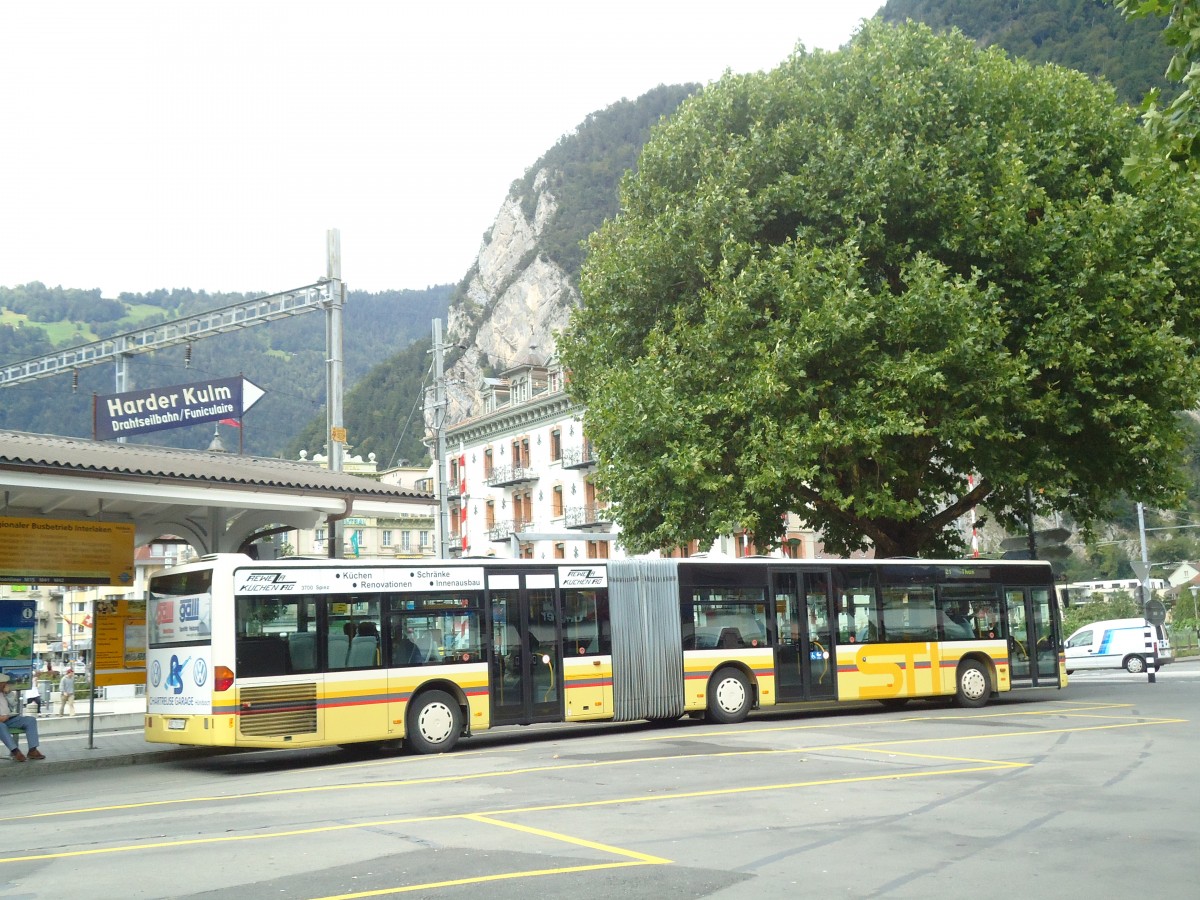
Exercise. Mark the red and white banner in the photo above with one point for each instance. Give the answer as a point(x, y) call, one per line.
point(462, 498)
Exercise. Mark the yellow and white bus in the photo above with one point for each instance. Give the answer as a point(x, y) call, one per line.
point(304, 653)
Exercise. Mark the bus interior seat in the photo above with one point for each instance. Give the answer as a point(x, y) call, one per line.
point(339, 649)
point(362, 651)
point(302, 648)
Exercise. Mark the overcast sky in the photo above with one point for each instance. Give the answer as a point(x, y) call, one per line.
point(209, 144)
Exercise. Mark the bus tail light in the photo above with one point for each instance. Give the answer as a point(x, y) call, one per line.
point(222, 678)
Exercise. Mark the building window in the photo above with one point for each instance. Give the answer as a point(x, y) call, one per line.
point(424, 539)
point(406, 541)
point(597, 549)
point(556, 445)
point(556, 502)
point(487, 463)
point(490, 521)
point(560, 550)
point(522, 505)
point(385, 538)
point(743, 544)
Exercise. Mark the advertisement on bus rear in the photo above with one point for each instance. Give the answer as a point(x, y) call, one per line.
point(180, 619)
point(179, 681)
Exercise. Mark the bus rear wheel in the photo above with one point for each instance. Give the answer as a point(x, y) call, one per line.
point(434, 723)
point(974, 686)
point(729, 696)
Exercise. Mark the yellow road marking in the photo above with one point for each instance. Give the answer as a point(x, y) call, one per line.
point(632, 858)
point(754, 789)
point(441, 779)
point(556, 836)
point(726, 731)
point(481, 879)
point(682, 795)
point(635, 859)
point(998, 763)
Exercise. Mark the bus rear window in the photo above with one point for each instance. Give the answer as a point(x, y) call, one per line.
point(180, 608)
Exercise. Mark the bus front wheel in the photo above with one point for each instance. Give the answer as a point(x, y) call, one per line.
point(974, 686)
point(434, 723)
point(729, 696)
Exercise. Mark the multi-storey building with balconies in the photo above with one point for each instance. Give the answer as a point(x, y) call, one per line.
point(519, 475)
point(519, 480)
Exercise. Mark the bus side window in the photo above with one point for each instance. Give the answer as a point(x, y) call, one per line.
point(585, 623)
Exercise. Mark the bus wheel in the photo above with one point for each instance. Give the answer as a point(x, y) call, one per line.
point(974, 687)
point(1135, 664)
point(434, 723)
point(728, 697)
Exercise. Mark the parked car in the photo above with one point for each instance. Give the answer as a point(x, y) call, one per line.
point(1118, 644)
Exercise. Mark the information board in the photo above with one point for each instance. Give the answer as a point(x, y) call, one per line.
point(61, 551)
point(120, 635)
point(16, 641)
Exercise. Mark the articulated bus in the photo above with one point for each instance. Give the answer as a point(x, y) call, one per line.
point(305, 653)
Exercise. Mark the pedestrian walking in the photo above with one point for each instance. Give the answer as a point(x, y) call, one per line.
point(10, 721)
point(66, 690)
point(35, 691)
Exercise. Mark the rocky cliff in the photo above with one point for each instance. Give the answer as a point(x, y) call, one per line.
point(520, 292)
point(515, 300)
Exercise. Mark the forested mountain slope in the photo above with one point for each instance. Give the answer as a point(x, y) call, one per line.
point(286, 358)
point(1088, 35)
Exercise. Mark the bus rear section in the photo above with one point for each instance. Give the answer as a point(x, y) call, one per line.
point(181, 679)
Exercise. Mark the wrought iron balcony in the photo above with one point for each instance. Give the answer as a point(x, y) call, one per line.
point(595, 517)
point(579, 457)
point(502, 531)
point(502, 476)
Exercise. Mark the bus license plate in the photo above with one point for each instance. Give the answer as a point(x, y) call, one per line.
point(176, 724)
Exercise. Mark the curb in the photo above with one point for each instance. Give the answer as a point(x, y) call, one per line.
point(36, 769)
point(60, 726)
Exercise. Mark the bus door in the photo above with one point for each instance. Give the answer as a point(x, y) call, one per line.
point(526, 653)
point(805, 660)
point(1032, 645)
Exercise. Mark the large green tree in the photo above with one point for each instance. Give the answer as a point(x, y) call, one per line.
point(843, 286)
point(1174, 127)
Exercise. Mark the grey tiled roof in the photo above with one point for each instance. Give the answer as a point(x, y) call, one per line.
point(22, 451)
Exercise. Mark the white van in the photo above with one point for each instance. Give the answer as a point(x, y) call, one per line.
point(1117, 644)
